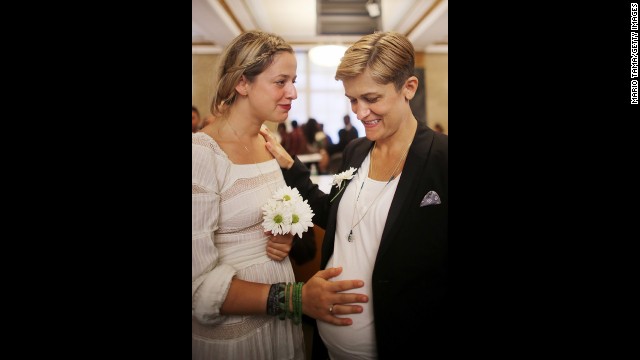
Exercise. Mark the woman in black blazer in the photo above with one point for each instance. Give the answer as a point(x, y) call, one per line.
point(386, 218)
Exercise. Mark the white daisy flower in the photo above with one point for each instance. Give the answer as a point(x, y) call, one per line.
point(345, 175)
point(301, 215)
point(277, 217)
point(339, 178)
point(287, 193)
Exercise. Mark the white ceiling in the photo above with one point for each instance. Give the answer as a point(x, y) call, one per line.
point(215, 22)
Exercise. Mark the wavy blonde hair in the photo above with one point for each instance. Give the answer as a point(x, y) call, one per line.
point(389, 56)
point(249, 54)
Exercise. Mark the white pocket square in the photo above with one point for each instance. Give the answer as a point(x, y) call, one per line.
point(431, 198)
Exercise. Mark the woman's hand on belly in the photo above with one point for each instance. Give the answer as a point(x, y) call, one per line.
point(323, 299)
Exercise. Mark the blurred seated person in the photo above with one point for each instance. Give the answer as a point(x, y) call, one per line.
point(324, 142)
point(195, 119)
point(322, 138)
point(345, 135)
point(282, 135)
point(297, 141)
point(309, 129)
point(316, 145)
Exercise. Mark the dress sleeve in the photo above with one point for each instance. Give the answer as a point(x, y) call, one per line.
point(210, 280)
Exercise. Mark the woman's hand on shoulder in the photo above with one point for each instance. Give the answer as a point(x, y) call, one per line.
point(273, 145)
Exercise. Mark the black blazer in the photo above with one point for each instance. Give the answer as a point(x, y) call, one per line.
point(410, 272)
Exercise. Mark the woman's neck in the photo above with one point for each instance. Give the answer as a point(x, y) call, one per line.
point(397, 142)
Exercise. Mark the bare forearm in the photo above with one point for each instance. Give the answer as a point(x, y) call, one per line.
point(245, 298)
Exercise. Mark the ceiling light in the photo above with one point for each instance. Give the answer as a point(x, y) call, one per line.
point(327, 55)
point(373, 8)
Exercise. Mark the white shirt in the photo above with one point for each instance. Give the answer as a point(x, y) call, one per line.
point(357, 258)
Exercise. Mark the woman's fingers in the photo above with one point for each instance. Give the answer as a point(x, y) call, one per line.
point(345, 309)
point(321, 295)
point(279, 246)
point(276, 254)
point(350, 298)
point(342, 285)
point(279, 153)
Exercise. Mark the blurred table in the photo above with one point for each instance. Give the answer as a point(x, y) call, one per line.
point(323, 181)
point(310, 158)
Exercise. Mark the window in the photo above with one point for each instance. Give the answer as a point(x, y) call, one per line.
point(321, 97)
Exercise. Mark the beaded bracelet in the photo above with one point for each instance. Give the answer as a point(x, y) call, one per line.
point(273, 300)
point(297, 302)
point(285, 300)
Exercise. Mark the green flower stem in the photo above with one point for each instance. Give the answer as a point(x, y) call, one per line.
point(339, 191)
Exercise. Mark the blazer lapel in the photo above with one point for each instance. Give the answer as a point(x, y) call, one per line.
point(409, 181)
point(360, 151)
point(355, 159)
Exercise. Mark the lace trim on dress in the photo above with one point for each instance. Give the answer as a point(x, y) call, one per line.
point(249, 229)
point(207, 141)
point(197, 189)
point(229, 331)
point(243, 185)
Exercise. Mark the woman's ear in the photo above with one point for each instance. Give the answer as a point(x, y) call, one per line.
point(241, 88)
point(410, 87)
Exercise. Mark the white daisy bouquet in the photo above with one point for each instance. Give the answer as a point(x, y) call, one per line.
point(287, 212)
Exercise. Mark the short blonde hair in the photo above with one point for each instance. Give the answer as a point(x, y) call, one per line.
point(249, 54)
point(389, 56)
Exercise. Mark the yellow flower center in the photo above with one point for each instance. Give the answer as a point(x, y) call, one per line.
point(277, 219)
point(295, 219)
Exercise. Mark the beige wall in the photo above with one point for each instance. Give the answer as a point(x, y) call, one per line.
point(204, 72)
point(436, 73)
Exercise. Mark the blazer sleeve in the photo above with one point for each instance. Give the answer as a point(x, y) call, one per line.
point(298, 176)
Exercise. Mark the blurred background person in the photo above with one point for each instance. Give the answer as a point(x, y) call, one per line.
point(322, 137)
point(283, 136)
point(195, 119)
point(297, 141)
point(309, 129)
point(345, 135)
point(323, 141)
point(437, 127)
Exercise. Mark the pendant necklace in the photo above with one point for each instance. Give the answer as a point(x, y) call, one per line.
point(251, 155)
point(355, 203)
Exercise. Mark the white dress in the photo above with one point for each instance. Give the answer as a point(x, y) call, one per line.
point(228, 240)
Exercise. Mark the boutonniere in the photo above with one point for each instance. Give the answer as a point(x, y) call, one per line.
point(338, 180)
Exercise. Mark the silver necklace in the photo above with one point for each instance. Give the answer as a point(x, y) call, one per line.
point(355, 203)
point(251, 155)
